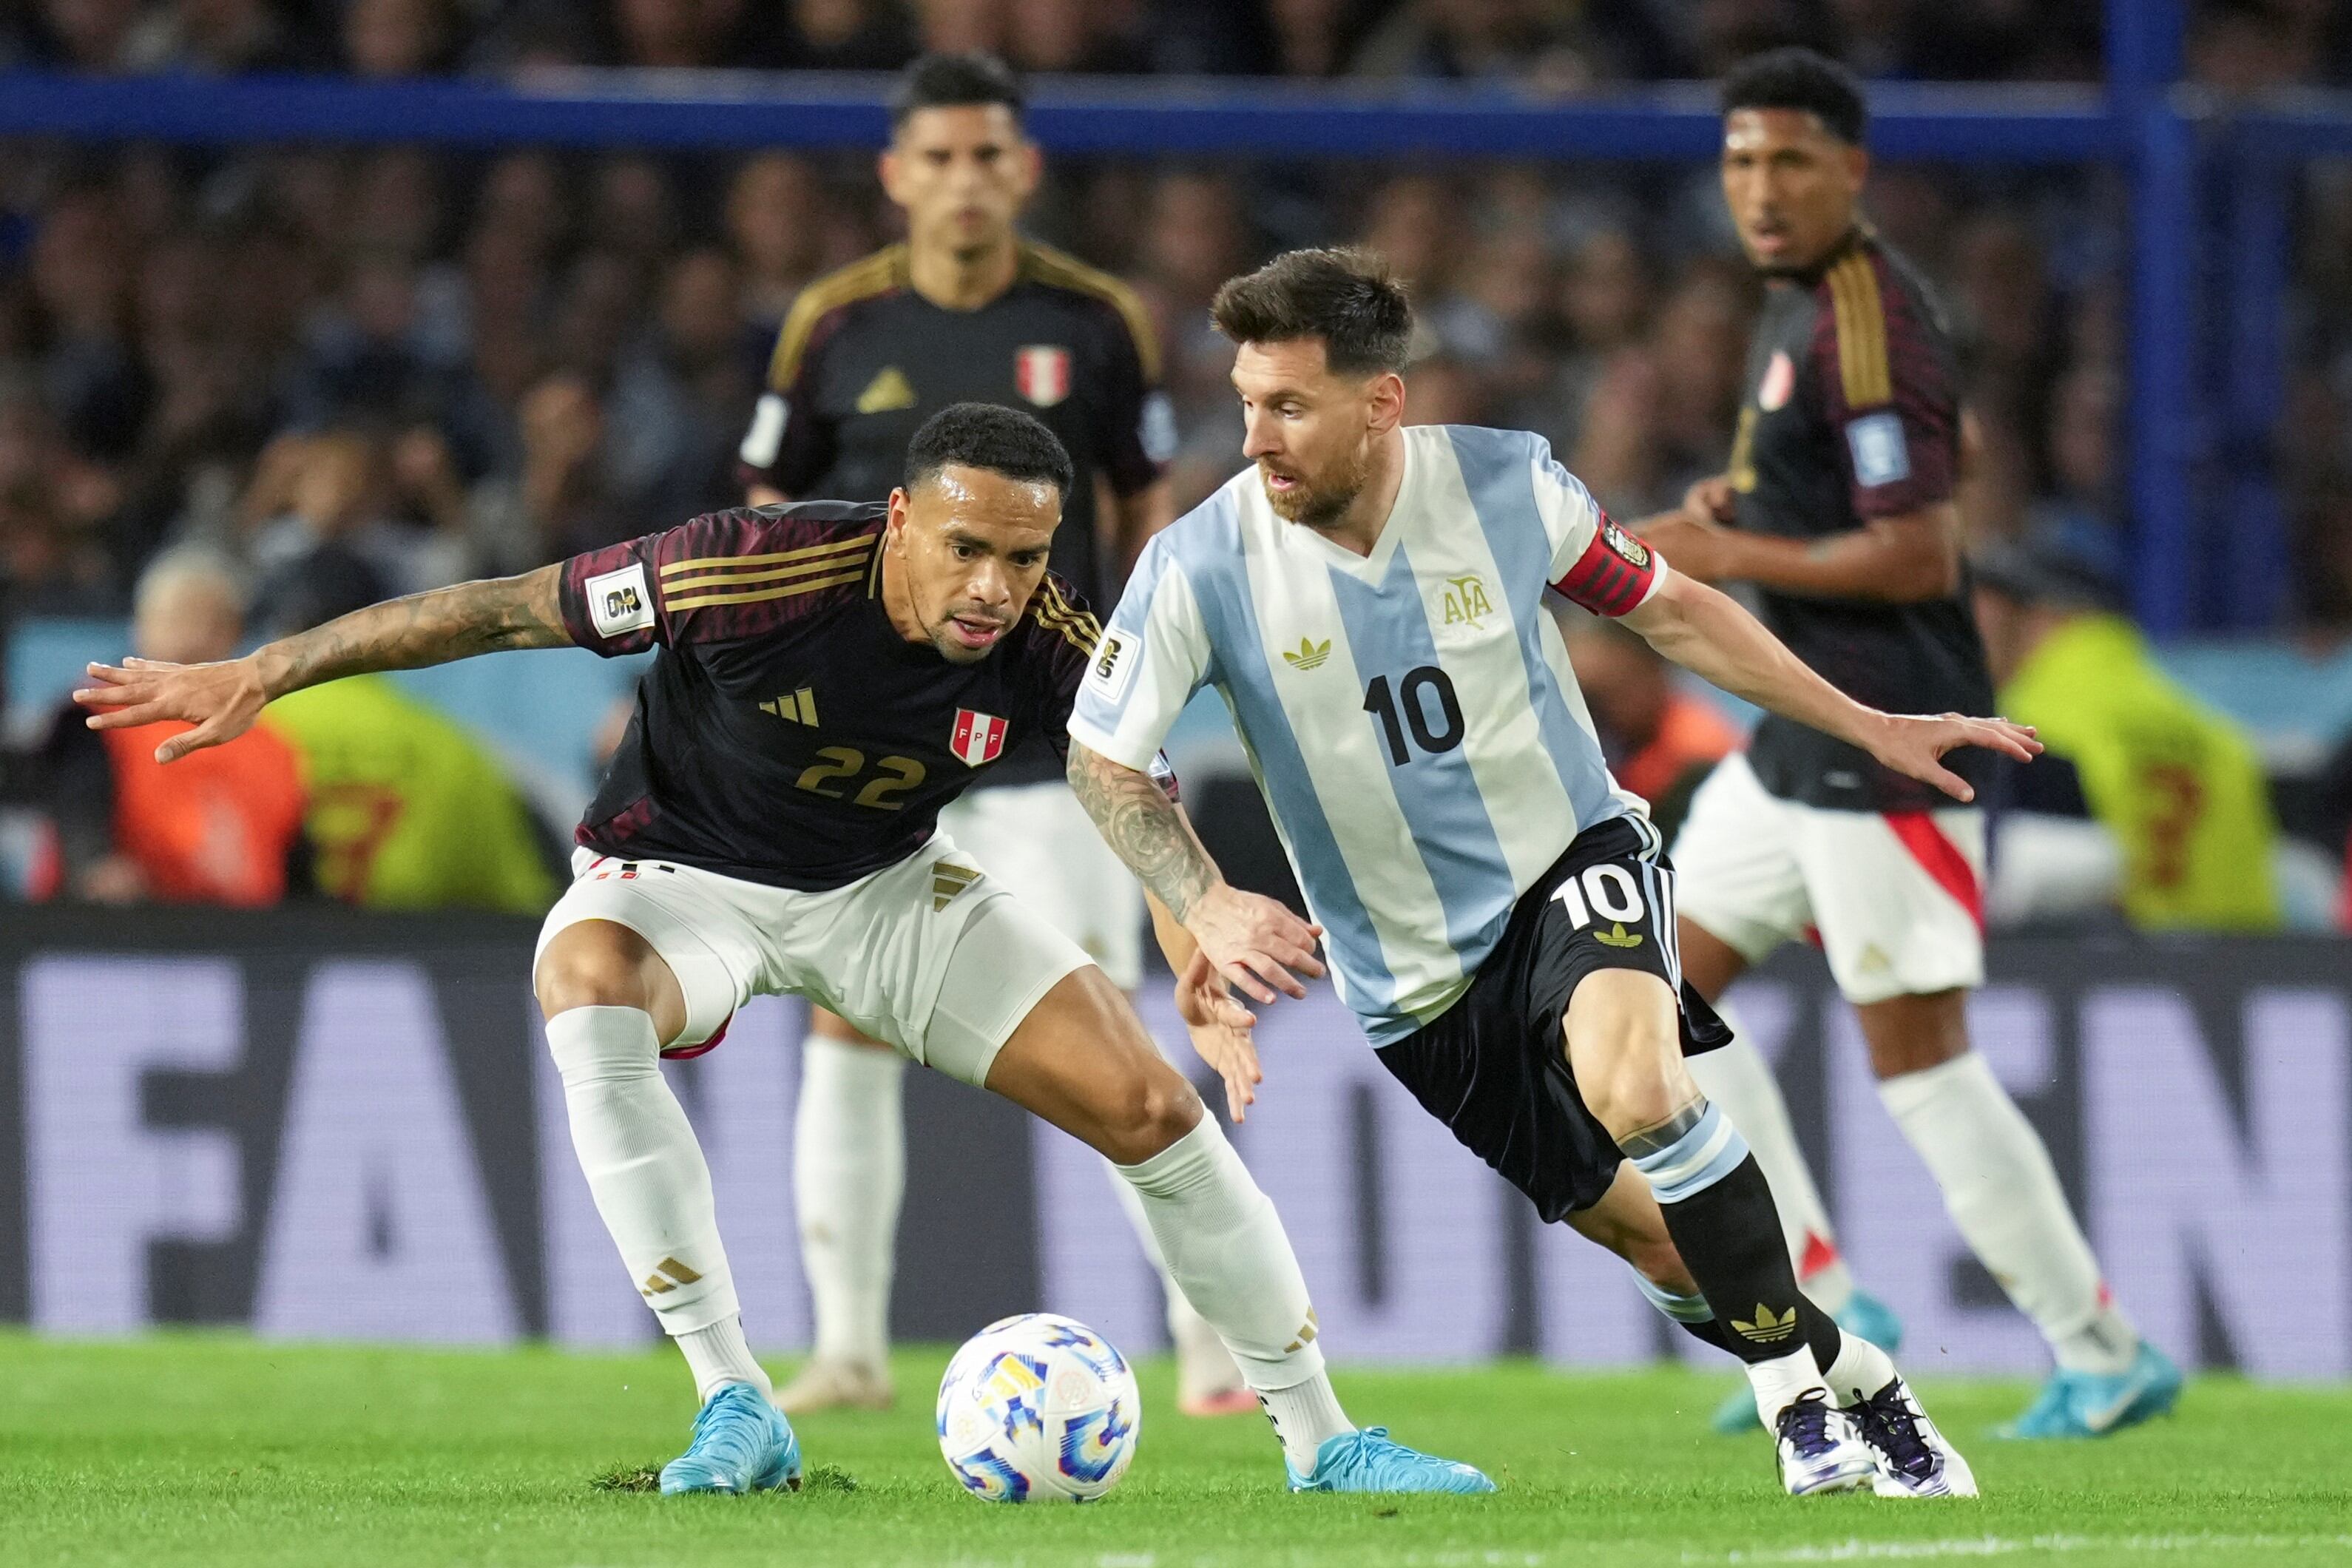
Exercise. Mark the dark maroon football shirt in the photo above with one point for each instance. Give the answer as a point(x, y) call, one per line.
point(1852, 414)
point(786, 733)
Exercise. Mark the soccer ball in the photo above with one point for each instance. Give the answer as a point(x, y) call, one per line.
point(1038, 1408)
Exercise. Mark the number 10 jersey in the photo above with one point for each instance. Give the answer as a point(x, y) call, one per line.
point(1410, 716)
point(786, 733)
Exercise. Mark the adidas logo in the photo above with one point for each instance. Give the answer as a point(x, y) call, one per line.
point(1618, 936)
point(1309, 654)
point(948, 880)
point(1305, 1335)
point(793, 706)
point(887, 393)
point(1767, 1328)
point(666, 1277)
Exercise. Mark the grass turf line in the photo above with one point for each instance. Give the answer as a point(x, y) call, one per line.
point(203, 1449)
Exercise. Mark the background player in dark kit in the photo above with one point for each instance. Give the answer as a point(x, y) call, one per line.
point(1838, 506)
point(966, 309)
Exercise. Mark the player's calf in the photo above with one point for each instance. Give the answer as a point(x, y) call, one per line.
point(1623, 1046)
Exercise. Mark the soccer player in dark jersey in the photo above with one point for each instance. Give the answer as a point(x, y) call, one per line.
point(829, 677)
point(964, 310)
point(1837, 505)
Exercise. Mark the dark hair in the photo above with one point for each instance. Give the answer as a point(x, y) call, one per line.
point(1800, 80)
point(1346, 297)
point(985, 436)
point(955, 81)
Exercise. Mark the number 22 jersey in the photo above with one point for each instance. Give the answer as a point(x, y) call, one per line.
point(1410, 716)
point(786, 733)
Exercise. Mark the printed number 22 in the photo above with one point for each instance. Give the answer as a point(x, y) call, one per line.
point(846, 762)
point(1412, 696)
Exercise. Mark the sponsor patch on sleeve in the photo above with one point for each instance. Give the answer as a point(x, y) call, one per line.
point(1881, 455)
point(1111, 669)
point(619, 602)
point(1157, 431)
point(765, 438)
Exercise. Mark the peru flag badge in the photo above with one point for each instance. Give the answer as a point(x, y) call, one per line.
point(1041, 373)
point(979, 737)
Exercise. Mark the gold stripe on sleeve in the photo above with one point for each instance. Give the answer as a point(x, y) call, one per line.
point(1863, 369)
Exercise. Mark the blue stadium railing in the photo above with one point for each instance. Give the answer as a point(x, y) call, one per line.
point(2199, 484)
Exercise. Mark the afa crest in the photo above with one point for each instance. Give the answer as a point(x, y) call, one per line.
point(1628, 548)
point(1466, 601)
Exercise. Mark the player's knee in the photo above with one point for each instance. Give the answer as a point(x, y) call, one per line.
point(1633, 1083)
point(1149, 1111)
point(1624, 1049)
point(590, 964)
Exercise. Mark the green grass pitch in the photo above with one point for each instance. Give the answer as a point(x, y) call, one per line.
point(202, 1449)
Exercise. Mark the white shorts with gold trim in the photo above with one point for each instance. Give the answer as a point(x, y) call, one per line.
point(931, 956)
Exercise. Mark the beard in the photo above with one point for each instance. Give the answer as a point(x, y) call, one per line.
point(1321, 504)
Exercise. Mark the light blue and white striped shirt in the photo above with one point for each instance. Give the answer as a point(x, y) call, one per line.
point(1409, 715)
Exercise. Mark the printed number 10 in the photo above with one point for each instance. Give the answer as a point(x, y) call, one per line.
point(1412, 696)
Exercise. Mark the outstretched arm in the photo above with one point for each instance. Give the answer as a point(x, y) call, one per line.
point(1250, 939)
point(223, 700)
point(1709, 634)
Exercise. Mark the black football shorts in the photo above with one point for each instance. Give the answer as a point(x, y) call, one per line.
point(1494, 1067)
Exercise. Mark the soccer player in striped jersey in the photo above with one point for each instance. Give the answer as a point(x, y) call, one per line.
point(1368, 599)
point(829, 676)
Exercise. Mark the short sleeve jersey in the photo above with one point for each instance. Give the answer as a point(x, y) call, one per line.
point(1851, 415)
point(786, 733)
point(1411, 715)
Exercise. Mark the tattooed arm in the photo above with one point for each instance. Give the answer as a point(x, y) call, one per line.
point(223, 700)
point(1252, 940)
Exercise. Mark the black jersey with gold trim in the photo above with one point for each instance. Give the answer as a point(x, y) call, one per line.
point(786, 733)
point(863, 359)
point(1851, 415)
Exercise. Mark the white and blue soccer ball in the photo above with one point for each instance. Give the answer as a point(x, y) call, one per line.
point(1038, 1408)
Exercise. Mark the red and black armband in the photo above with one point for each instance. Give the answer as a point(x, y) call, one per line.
point(1613, 575)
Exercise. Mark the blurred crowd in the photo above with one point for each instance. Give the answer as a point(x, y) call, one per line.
point(343, 374)
point(1564, 45)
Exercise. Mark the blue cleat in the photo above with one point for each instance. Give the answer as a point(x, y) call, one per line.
point(1366, 1461)
point(741, 1444)
point(2091, 1405)
point(1863, 1316)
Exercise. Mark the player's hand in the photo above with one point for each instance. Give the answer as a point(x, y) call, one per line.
point(1914, 745)
point(222, 700)
point(1710, 499)
point(1256, 942)
point(1696, 547)
point(1220, 1027)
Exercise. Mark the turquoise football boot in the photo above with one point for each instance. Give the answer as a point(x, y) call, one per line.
point(741, 1444)
point(1367, 1461)
point(1864, 1316)
point(2093, 1405)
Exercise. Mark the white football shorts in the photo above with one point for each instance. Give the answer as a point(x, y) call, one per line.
point(1895, 899)
point(1040, 844)
point(930, 956)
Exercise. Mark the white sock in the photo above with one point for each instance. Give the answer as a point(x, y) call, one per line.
point(849, 1174)
point(1202, 1366)
point(1305, 1415)
point(1226, 1246)
point(1738, 1079)
point(643, 1167)
point(719, 1355)
point(1861, 1370)
point(2004, 1196)
point(1782, 1381)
